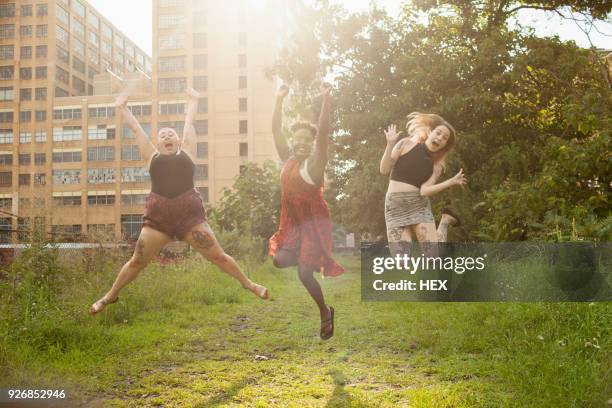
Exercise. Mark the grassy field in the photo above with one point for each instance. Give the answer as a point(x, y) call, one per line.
point(186, 335)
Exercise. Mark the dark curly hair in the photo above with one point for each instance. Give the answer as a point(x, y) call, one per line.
point(304, 125)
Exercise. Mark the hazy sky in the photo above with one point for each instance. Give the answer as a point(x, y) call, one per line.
point(134, 18)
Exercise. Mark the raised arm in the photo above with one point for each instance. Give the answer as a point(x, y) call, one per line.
point(147, 149)
point(316, 166)
point(282, 148)
point(189, 142)
point(392, 150)
point(430, 187)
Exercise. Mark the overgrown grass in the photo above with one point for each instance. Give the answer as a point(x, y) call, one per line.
point(188, 335)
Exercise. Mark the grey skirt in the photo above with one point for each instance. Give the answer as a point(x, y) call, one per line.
point(407, 208)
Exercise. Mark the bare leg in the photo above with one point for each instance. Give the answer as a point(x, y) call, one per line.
point(442, 230)
point(399, 239)
point(203, 240)
point(307, 278)
point(149, 243)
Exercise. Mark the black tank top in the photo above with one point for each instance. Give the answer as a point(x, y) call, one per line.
point(171, 174)
point(414, 167)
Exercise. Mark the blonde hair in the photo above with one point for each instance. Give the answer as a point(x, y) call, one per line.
point(420, 124)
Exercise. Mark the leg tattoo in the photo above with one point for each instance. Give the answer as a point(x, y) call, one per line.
point(140, 248)
point(203, 239)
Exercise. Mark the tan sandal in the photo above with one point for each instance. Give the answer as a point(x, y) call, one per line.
point(99, 305)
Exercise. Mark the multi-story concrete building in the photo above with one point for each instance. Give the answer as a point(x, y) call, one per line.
point(65, 158)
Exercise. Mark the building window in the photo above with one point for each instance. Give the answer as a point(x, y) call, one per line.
point(66, 133)
point(244, 149)
point(67, 157)
point(41, 31)
point(170, 20)
point(25, 94)
point(40, 179)
point(66, 233)
point(7, 10)
point(107, 31)
point(8, 52)
point(62, 75)
point(101, 176)
point(63, 55)
point(6, 179)
point(242, 81)
point(41, 94)
point(130, 152)
point(6, 136)
point(25, 159)
point(41, 10)
point(77, 28)
point(171, 41)
point(243, 127)
point(131, 224)
point(200, 61)
point(41, 115)
point(25, 31)
point(6, 117)
point(40, 158)
point(6, 159)
point(7, 72)
point(25, 73)
point(133, 199)
point(201, 172)
point(242, 104)
point(41, 136)
point(100, 132)
point(24, 179)
point(25, 52)
point(171, 108)
point(101, 153)
point(140, 110)
point(200, 40)
point(66, 177)
point(101, 112)
point(203, 105)
point(202, 150)
point(171, 64)
point(41, 72)
point(78, 65)
point(6, 203)
point(200, 83)
point(78, 84)
point(93, 20)
point(25, 116)
point(7, 31)
point(41, 51)
point(134, 175)
point(26, 10)
point(67, 200)
point(61, 34)
point(126, 132)
point(25, 137)
point(6, 93)
point(204, 193)
point(101, 199)
point(60, 93)
point(5, 224)
point(201, 127)
point(106, 229)
point(66, 114)
point(172, 85)
point(61, 14)
point(242, 61)
point(78, 8)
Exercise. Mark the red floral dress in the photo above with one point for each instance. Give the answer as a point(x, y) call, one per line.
point(305, 222)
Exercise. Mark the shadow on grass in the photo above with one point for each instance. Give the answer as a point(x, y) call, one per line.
point(226, 395)
point(340, 397)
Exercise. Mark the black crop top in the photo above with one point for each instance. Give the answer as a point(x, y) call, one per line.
point(414, 167)
point(171, 174)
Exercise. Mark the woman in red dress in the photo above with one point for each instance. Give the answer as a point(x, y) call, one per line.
point(304, 236)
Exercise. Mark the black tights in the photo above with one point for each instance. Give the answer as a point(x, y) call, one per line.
point(285, 259)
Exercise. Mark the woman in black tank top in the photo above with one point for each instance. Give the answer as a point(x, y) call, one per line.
point(414, 165)
point(174, 208)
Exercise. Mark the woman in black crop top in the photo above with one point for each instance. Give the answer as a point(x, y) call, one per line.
point(414, 165)
point(174, 208)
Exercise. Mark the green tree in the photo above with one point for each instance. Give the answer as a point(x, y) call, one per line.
point(529, 110)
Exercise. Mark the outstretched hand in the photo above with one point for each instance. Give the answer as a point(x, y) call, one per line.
point(282, 91)
point(392, 134)
point(459, 178)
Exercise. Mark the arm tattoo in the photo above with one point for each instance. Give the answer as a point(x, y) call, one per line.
point(203, 239)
